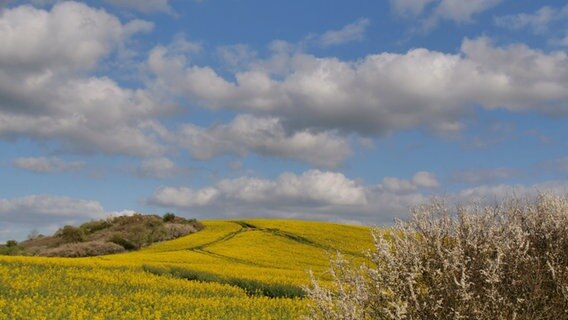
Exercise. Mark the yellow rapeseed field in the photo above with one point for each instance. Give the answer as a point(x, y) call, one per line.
point(150, 284)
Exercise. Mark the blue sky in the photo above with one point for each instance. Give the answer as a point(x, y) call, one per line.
point(322, 110)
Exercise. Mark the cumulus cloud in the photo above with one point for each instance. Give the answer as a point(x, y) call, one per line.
point(462, 11)
point(431, 12)
point(483, 175)
point(265, 136)
point(491, 194)
point(46, 213)
point(45, 209)
point(421, 179)
point(330, 196)
point(312, 188)
point(352, 32)
point(411, 8)
point(380, 93)
point(45, 93)
point(160, 168)
point(314, 194)
point(145, 6)
point(539, 21)
point(69, 37)
point(184, 197)
point(47, 165)
point(547, 21)
point(236, 57)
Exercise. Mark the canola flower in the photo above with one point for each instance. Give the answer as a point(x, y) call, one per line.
point(117, 287)
point(57, 291)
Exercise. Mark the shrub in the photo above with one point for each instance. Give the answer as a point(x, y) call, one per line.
point(137, 235)
point(86, 249)
point(12, 247)
point(71, 234)
point(271, 290)
point(126, 244)
point(169, 217)
point(504, 262)
point(251, 287)
point(11, 243)
point(94, 226)
point(154, 223)
point(178, 230)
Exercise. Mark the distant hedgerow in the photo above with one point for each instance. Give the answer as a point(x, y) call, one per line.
point(509, 261)
point(250, 286)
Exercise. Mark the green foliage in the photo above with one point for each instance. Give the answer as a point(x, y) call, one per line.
point(94, 226)
point(11, 248)
point(11, 243)
point(126, 244)
point(251, 287)
point(169, 217)
point(271, 290)
point(71, 234)
point(154, 223)
point(130, 232)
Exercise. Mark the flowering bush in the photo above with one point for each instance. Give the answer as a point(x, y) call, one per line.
point(509, 261)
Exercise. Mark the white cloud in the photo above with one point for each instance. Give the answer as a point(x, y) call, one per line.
point(144, 6)
point(20, 231)
point(126, 212)
point(265, 136)
point(70, 37)
point(539, 21)
point(160, 168)
point(383, 92)
point(46, 165)
point(483, 175)
point(421, 179)
point(236, 57)
point(86, 115)
point(184, 197)
point(46, 213)
point(462, 11)
point(317, 195)
point(425, 179)
point(352, 32)
point(313, 194)
point(491, 194)
point(432, 11)
point(312, 188)
point(45, 93)
point(44, 209)
point(563, 42)
point(549, 22)
point(412, 8)
point(398, 185)
point(181, 46)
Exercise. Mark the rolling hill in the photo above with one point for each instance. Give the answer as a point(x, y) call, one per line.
point(245, 269)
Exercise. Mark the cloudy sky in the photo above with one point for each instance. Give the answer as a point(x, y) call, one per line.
point(348, 111)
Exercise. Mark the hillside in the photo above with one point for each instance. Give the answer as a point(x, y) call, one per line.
point(248, 269)
point(106, 236)
point(273, 251)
